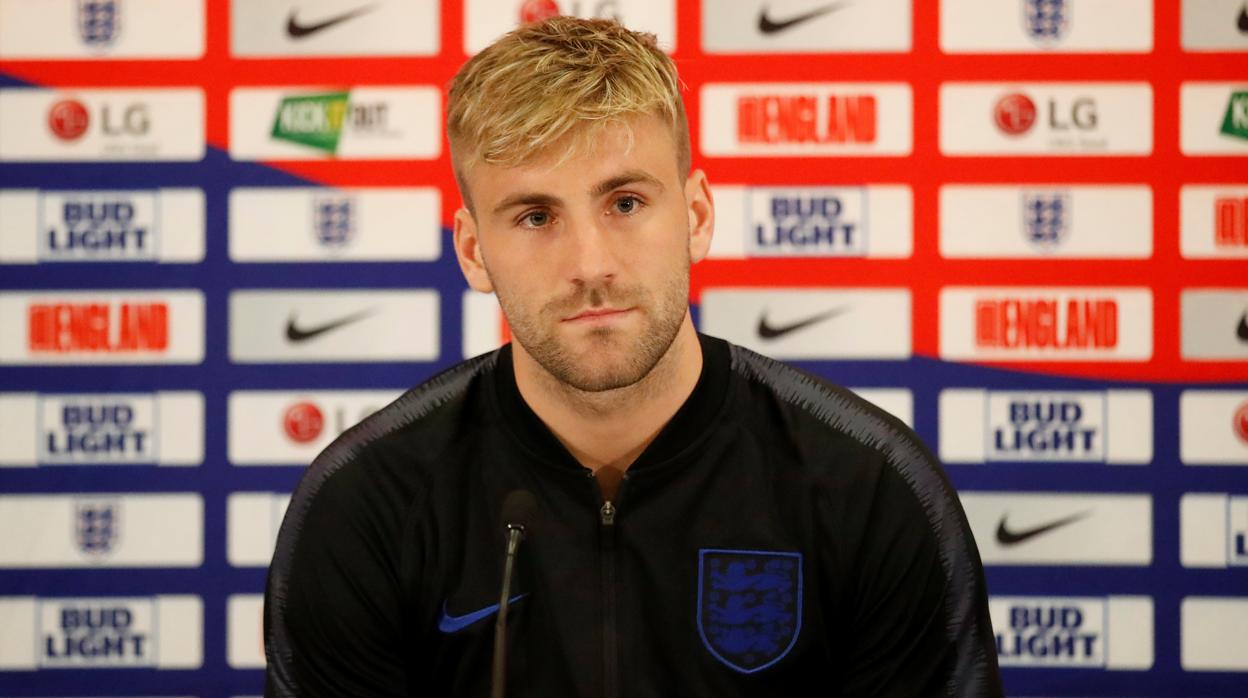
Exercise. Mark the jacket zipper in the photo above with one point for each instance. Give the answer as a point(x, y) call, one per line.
point(610, 640)
point(610, 634)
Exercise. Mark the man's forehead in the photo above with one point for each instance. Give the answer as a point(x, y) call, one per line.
point(588, 156)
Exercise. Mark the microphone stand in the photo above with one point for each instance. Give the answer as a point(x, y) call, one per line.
point(515, 534)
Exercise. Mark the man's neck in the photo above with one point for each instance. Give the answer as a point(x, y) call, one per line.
point(610, 429)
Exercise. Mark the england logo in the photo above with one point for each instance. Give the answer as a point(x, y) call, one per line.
point(98, 524)
point(1045, 20)
point(334, 221)
point(98, 21)
point(1046, 218)
point(749, 606)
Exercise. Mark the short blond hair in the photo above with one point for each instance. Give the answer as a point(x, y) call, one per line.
point(544, 81)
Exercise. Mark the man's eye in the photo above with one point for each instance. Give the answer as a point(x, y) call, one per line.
point(627, 204)
point(535, 219)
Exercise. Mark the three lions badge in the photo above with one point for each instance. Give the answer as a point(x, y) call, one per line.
point(749, 606)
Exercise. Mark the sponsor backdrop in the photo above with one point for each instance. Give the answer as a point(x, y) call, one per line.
point(1020, 225)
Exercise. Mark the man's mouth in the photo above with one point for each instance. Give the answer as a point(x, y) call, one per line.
point(593, 315)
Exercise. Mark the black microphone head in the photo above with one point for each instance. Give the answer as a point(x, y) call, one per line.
point(519, 510)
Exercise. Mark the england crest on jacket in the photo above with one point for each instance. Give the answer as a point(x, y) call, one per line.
point(749, 606)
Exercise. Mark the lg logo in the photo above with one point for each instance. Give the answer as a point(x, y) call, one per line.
point(1015, 114)
point(69, 119)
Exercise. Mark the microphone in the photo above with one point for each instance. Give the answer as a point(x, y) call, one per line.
point(519, 510)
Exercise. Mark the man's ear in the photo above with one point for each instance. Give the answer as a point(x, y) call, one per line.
point(701, 209)
point(468, 252)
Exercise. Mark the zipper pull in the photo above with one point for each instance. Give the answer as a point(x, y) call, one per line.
point(607, 513)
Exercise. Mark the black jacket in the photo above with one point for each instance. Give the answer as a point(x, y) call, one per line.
point(780, 537)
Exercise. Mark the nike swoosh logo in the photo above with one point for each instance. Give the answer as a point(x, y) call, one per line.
point(298, 31)
point(448, 623)
point(302, 334)
point(767, 25)
point(768, 331)
point(1242, 330)
point(1007, 537)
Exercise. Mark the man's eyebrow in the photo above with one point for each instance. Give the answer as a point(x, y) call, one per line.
point(527, 199)
point(624, 179)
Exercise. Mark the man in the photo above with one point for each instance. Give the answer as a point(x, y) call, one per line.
point(710, 522)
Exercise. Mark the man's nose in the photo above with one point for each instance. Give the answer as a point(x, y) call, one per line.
point(591, 255)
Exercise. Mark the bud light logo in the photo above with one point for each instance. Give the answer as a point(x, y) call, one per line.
point(807, 222)
point(1046, 427)
point(98, 429)
point(97, 526)
point(334, 221)
point(103, 632)
point(1046, 219)
point(98, 22)
point(1045, 21)
point(1056, 632)
point(98, 226)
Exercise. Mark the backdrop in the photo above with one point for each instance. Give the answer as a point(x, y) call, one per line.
point(1019, 225)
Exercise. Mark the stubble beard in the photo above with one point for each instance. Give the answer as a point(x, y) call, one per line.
point(609, 358)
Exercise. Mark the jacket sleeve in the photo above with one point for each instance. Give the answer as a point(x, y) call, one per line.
point(920, 609)
point(334, 604)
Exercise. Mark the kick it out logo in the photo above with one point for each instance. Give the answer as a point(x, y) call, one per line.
point(1235, 121)
point(320, 120)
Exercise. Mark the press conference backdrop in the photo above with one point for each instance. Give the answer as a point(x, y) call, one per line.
point(1019, 225)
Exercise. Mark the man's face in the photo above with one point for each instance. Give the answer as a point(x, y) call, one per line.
point(590, 256)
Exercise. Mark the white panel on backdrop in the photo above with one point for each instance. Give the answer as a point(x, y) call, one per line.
point(1061, 528)
point(252, 522)
point(1213, 427)
point(334, 28)
point(1214, 633)
point(152, 225)
point(1213, 530)
point(164, 428)
point(797, 26)
point(1046, 324)
point(105, 29)
point(1050, 26)
point(1213, 221)
point(1075, 632)
point(1046, 221)
point(315, 325)
point(102, 327)
point(357, 123)
point(487, 20)
point(1107, 426)
point(1214, 25)
point(872, 221)
point(288, 427)
point(161, 632)
point(101, 530)
point(483, 323)
point(1213, 118)
point(1215, 324)
point(245, 625)
point(323, 224)
point(101, 124)
point(1046, 118)
point(811, 323)
point(813, 119)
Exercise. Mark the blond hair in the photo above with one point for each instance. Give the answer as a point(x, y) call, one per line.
point(544, 81)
